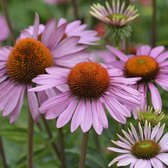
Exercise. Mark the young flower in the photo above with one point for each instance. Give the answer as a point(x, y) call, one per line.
point(117, 15)
point(149, 64)
point(88, 89)
point(4, 29)
point(145, 148)
point(150, 115)
point(29, 58)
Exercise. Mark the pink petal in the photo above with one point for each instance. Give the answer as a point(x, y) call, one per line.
point(48, 31)
point(33, 105)
point(65, 117)
point(36, 26)
point(87, 121)
point(78, 115)
point(155, 96)
point(97, 125)
point(101, 114)
point(118, 53)
point(163, 157)
point(156, 51)
point(143, 50)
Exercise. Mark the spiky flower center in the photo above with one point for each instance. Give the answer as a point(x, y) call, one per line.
point(117, 16)
point(142, 66)
point(28, 58)
point(146, 149)
point(88, 80)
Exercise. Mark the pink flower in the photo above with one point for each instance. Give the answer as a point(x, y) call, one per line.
point(4, 29)
point(29, 57)
point(116, 14)
point(145, 148)
point(87, 90)
point(149, 64)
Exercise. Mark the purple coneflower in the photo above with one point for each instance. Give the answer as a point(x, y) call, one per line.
point(29, 58)
point(146, 148)
point(116, 15)
point(149, 64)
point(88, 89)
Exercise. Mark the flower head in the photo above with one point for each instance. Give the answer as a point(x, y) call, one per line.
point(88, 89)
point(33, 52)
point(116, 15)
point(148, 63)
point(147, 147)
point(150, 115)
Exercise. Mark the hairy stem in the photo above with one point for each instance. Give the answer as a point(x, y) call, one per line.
point(83, 150)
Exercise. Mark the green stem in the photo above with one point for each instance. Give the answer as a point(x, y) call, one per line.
point(30, 141)
point(83, 152)
point(154, 23)
point(62, 148)
point(5, 10)
point(55, 148)
point(2, 152)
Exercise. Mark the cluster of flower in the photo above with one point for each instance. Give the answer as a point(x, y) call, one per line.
point(50, 65)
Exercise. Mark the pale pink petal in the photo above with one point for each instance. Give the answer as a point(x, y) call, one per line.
point(33, 104)
point(87, 121)
point(36, 26)
point(78, 115)
point(156, 51)
point(155, 95)
point(48, 31)
point(101, 114)
point(118, 53)
point(14, 115)
point(162, 57)
point(156, 163)
point(65, 117)
point(163, 157)
point(143, 50)
point(97, 125)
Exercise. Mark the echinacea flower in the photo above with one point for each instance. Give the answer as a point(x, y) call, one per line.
point(148, 63)
point(28, 58)
point(87, 90)
point(145, 148)
point(116, 15)
point(4, 31)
